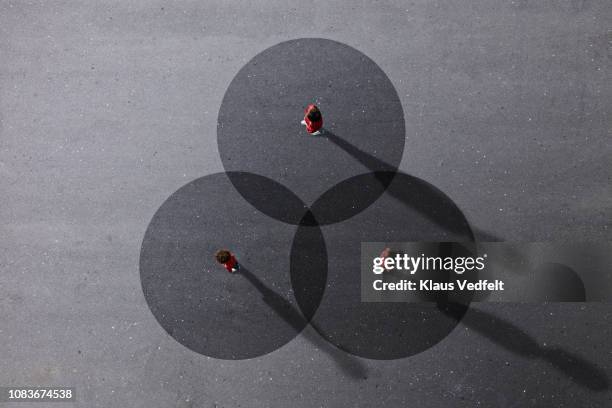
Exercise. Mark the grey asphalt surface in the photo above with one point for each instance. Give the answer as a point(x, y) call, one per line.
point(106, 109)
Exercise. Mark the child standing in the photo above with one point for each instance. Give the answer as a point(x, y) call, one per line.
point(225, 258)
point(313, 120)
point(386, 253)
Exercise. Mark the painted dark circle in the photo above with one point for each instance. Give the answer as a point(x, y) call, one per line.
point(201, 305)
point(259, 128)
point(411, 210)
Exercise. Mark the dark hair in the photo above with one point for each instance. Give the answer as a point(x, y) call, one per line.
point(223, 256)
point(314, 114)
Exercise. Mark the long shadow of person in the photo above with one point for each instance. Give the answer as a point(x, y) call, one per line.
point(284, 309)
point(426, 204)
point(384, 174)
point(495, 329)
point(514, 339)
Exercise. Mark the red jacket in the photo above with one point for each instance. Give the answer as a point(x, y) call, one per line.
point(229, 265)
point(311, 126)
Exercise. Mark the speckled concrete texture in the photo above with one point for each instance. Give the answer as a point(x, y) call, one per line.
point(108, 107)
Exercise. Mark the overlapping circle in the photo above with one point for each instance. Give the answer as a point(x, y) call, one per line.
point(410, 210)
point(197, 302)
point(259, 127)
point(295, 209)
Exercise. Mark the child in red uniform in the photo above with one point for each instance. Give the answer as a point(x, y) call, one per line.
point(386, 253)
point(313, 120)
point(228, 260)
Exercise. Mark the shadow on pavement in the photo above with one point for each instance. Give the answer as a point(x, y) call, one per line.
point(384, 174)
point(284, 309)
point(500, 331)
point(512, 338)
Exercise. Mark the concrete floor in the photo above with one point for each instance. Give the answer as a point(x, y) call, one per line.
point(107, 109)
